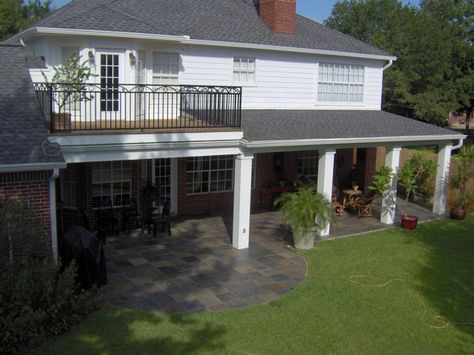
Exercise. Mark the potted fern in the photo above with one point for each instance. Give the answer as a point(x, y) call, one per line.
point(307, 212)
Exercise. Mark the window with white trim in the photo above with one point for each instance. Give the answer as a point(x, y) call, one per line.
point(112, 181)
point(165, 68)
point(67, 53)
point(341, 82)
point(244, 70)
point(69, 184)
point(308, 162)
point(210, 174)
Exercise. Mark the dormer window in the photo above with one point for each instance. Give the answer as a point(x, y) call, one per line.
point(339, 83)
point(244, 70)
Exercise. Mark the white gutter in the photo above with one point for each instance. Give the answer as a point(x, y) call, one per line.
point(188, 40)
point(460, 144)
point(390, 63)
point(13, 168)
point(52, 212)
point(346, 141)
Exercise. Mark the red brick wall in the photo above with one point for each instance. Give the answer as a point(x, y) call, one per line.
point(34, 188)
point(279, 15)
point(370, 168)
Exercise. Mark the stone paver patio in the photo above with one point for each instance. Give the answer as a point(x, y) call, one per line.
point(198, 270)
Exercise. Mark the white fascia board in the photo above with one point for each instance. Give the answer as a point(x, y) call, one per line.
point(196, 42)
point(335, 142)
point(16, 168)
point(144, 139)
point(117, 155)
point(266, 47)
point(96, 33)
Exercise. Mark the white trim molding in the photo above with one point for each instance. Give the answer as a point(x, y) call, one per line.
point(188, 40)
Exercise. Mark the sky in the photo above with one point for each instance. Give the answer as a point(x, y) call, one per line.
point(317, 10)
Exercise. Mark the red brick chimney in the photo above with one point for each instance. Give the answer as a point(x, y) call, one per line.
point(279, 15)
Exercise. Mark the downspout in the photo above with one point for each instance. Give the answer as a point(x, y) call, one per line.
point(460, 144)
point(390, 63)
point(52, 211)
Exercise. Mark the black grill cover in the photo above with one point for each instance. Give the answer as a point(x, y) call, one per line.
point(88, 252)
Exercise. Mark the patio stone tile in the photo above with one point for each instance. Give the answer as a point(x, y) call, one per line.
point(197, 269)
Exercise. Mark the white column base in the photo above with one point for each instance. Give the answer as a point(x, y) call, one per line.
point(325, 180)
point(442, 179)
point(242, 196)
point(389, 199)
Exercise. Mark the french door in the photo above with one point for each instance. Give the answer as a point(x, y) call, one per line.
point(110, 75)
point(165, 177)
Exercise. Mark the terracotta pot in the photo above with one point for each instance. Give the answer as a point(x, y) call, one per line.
point(61, 121)
point(458, 213)
point(409, 222)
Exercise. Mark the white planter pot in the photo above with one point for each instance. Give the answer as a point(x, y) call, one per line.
point(304, 237)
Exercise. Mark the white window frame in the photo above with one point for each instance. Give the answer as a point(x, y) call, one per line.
point(308, 160)
point(162, 64)
point(110, 168)
point(209, 168)
point(250, 68)
point(341, 83)
point(69, 188)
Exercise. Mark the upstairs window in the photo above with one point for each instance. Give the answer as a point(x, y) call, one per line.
point(244, 70)
point(68, 52)
point(341, 83)
point(165, 68)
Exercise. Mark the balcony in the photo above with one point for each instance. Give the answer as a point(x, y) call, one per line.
point(102, 108)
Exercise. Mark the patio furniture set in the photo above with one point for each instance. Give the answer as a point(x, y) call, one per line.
point(354, 199)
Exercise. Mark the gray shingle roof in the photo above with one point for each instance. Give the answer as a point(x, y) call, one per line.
point(22, 130)
point(217, 20)
point(267, 125)
point(35, 62)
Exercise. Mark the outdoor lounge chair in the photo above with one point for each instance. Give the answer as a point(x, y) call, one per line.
point(338, 206)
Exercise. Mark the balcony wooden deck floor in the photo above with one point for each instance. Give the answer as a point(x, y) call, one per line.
point(123, 126)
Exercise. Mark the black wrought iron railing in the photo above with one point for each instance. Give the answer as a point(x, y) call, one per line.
point(85, 107)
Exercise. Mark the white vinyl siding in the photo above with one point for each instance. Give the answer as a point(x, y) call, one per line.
point(244, 70)
point(165, 68)
point(341, 83)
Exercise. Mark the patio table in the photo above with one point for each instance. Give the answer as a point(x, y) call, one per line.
point(351, 196)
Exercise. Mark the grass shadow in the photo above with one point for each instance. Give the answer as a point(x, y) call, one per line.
point(446, 274)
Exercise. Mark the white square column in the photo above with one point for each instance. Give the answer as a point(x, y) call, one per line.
point(389, 199)
point(326, 179)
point(442, 179)
point(242, 195)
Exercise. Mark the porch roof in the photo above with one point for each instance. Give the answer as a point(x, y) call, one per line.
point(344, 125)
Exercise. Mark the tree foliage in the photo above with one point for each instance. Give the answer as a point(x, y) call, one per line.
point(434, 73)
point(18, 14)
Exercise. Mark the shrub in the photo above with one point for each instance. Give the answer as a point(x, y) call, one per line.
point(425, 173)
point(37, 298)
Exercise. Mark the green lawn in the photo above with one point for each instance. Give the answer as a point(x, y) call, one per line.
point(377, 294)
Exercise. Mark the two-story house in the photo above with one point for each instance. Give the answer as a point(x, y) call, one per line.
point(217, 102)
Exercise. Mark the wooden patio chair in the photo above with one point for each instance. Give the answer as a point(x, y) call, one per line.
point(364, 206)
point(338, 206)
